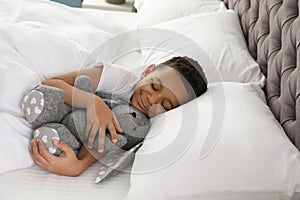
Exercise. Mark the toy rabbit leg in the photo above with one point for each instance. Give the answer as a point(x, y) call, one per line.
point(44, 104)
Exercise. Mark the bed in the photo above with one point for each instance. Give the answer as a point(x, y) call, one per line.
point(240, 140)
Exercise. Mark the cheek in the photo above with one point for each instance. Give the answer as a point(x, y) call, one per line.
point(134, 102)
point(134, 99)
point(142, 88)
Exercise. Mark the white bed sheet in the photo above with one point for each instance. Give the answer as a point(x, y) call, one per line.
point(34, 183)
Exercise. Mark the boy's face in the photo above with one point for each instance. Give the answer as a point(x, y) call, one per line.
point(159, 91)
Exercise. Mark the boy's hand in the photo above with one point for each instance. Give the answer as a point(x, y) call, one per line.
point(99, 119)
point(66, 164)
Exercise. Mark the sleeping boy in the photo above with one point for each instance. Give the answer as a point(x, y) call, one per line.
point(159, 89)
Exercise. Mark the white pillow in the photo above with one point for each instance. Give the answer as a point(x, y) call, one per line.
point(83, 26)
point(155, 11)
point(15, 139)
point(39, 53)
point(28, 59)
point(214, 39)
point(78, 25)
point(32, 58)
point(251, 158)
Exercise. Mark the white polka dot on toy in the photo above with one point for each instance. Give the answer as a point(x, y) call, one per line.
point(28, 111)
point(25, 98)
point(42, 102)
point(98, 179)
point(45, 138)
point(55, 137)
point(37, 133)
point(37, 110)
point(52, 150)
point(33, 100)
point(110, 163)
point(101, 172)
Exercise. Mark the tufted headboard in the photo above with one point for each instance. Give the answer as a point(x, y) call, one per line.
point(272, 31)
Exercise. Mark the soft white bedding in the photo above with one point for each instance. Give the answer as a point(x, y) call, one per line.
point(251, 159)
point(35, 183)
point(40, 39)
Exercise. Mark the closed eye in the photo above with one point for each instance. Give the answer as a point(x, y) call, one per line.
point(164, 107)
point(153, 85)
point(167, 105)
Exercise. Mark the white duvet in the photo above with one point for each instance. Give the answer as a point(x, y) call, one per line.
point(39, 39)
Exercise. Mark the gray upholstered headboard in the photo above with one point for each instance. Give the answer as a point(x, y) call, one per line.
point(272, 30)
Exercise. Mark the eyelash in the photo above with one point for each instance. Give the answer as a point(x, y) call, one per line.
point(164, 107)
point(153, 87)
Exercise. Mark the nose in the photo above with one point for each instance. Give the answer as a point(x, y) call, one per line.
point(155, 98)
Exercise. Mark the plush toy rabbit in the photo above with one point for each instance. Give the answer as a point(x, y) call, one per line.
point(45, 110)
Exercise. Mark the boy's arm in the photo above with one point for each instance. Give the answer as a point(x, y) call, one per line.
point(66, 83)
point(66, 164)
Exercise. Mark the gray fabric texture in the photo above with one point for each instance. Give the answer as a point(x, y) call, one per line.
point(53, 109)
point(134, 124)
point(76, 122)
point(51, 131)
point(115, 161)
point(71, 122)
point(33, 105)
point(47, 135)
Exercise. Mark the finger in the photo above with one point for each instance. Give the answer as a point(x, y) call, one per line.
point(36, 156)
point(87, 129)
point(63, 146)
point(113, 133)
point(33, 156)
point(101, 140)
point(116, 124)
point(44, 152)
point(92, 135)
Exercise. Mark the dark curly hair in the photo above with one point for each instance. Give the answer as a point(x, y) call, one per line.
point(191, 71)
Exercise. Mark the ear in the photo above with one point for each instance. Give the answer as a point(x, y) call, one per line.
point(148, 70)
